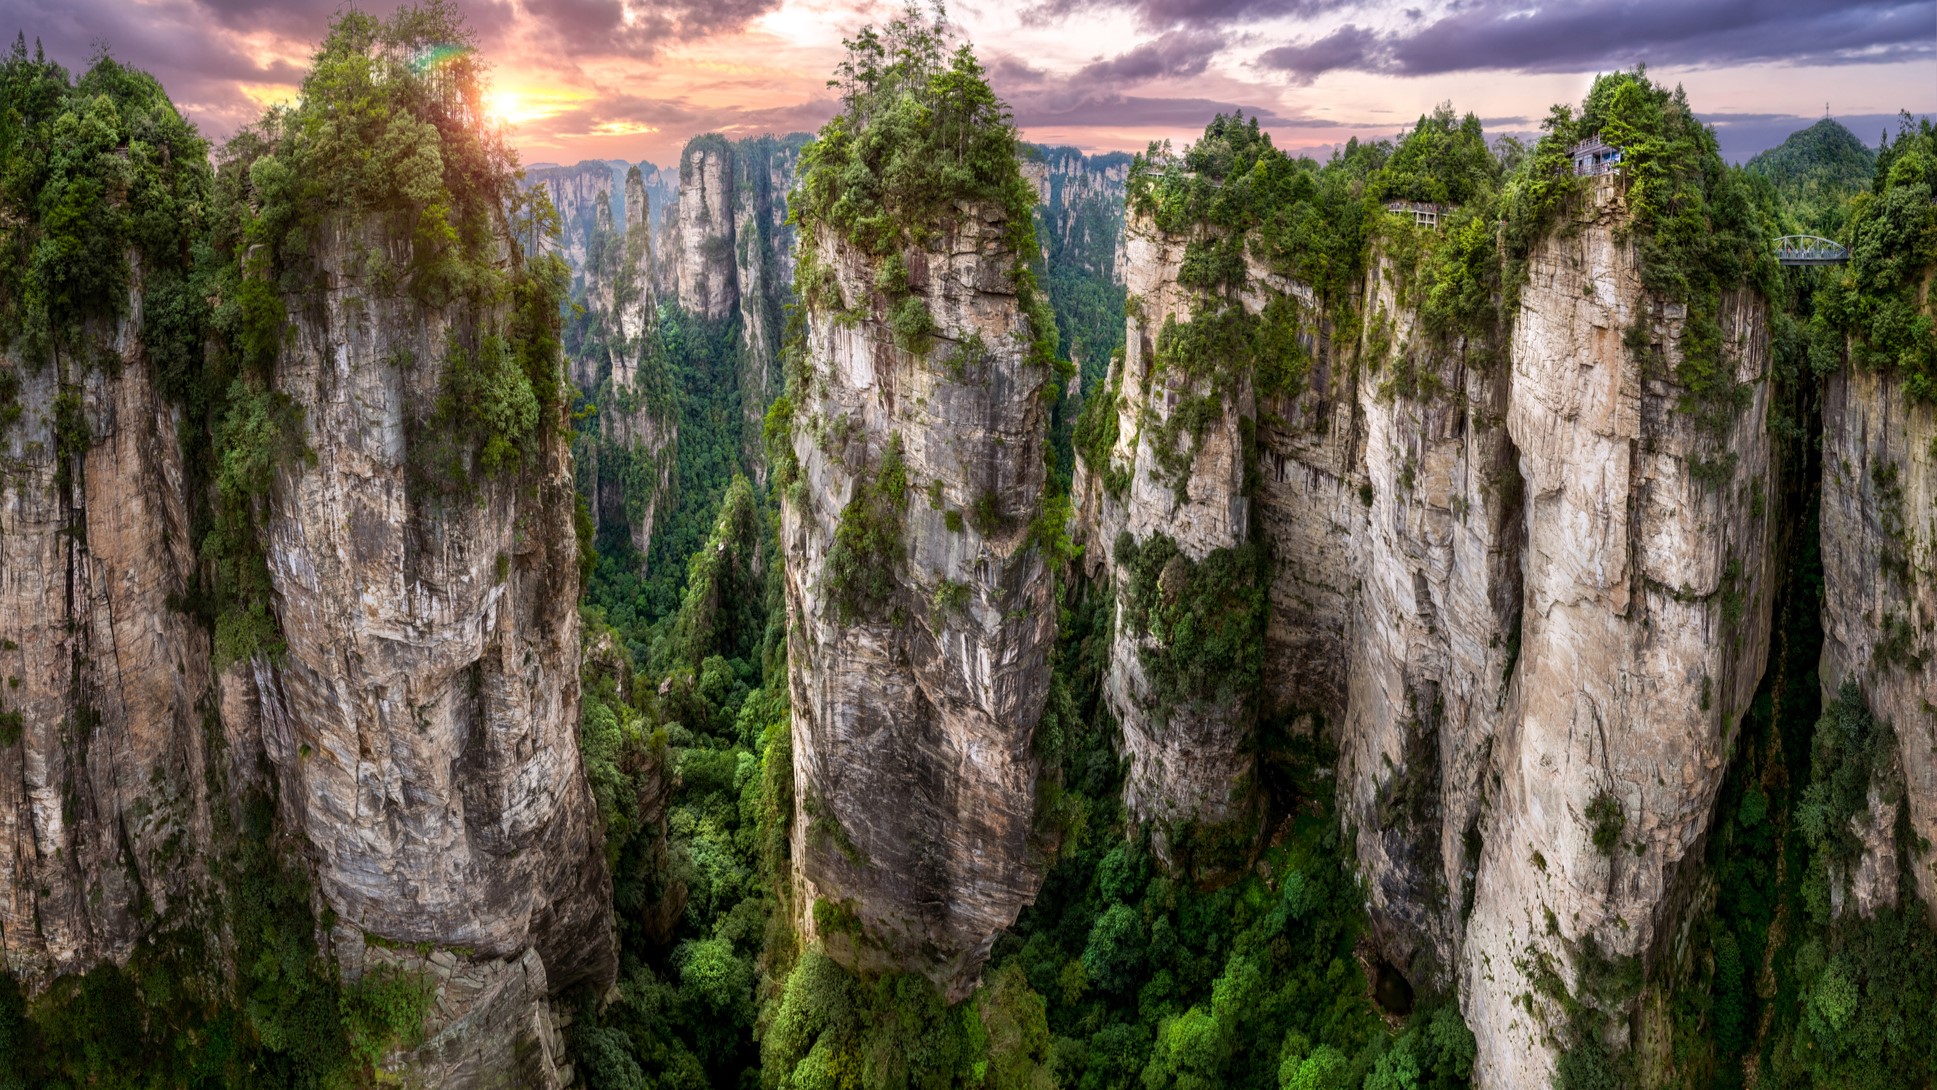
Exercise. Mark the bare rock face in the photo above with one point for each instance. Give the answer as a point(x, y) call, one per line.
point(763, 255)
point(580, 193)
point(1880, 603)
point(1644, 629)
point(1514, 582)
point(422, 721)
point(704, 279)
point(1079, 208)
point(104, 680)
point(627, 464)
point(914, 780)
point(1435, 628)
point(1191, 768)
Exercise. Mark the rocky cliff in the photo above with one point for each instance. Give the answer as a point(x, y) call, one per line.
point(1154, 509)
point(1507, 575)
point(290, 634)
point(624, 462)
point(918, 601)
point(1079, 208)
point(104, 744)
point(1644, 629)
point(424, 742)
point(1879, 604)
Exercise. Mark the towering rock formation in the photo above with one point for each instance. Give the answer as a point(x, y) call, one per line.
point(583, 196)
point(1644, 630)
point(394, 656)
point(702, 261)
point(1511, 577)
point(1435, 626)
point(424, 741)
point(918, 601)
point(1880, 610)
point(104, 683)
point(1157, 508)
point(1079, 208)
point(625, 460)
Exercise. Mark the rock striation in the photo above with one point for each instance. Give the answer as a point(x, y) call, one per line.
point(425, 739)
point(915, 697)
point(1507, 576)
point(105, 743)
point(1880, 607)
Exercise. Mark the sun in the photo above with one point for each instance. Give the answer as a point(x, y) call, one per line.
point(505, 106)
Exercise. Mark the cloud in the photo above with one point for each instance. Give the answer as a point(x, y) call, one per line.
point(1179, 53)
point(1600, 34)
point(1159, 14)
point(1348, 47)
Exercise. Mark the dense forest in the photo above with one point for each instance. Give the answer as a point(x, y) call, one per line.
point(1120, 974)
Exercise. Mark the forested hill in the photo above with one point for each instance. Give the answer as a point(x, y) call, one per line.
point(1815, 170)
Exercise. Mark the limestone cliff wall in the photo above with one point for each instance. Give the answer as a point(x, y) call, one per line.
point(626, 464)
point(1434, 628)
point(1880, 606)
point(423, 718)
point(1515, 582)
point(914, 780)
point(104, 679)
point(703, 271)
point(1191, 762)
point(1645, 625)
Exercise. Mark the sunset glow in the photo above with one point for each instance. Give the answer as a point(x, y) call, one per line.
point(636, 79)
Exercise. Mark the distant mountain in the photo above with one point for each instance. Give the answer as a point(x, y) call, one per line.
point(1815, 171)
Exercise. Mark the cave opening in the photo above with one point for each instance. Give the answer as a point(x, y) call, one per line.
point(1390, 989)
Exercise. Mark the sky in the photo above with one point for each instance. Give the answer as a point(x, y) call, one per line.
point(635, 79)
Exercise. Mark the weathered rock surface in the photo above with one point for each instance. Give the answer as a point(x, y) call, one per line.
point(1435, 625)
point(104, 679)
point(626, 461)
point(703, 271)
point(1645, 625)
point(423, 719)
point(914, 781)
point(1511, 584)
point(1880, 603)
point(1079, 208)
point(1190, 763)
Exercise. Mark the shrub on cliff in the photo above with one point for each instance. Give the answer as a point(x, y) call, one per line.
point(921, 138)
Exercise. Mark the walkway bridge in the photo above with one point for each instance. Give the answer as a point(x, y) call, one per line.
point(1810, 250)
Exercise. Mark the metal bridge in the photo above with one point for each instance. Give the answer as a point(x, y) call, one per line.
point(1810, 250)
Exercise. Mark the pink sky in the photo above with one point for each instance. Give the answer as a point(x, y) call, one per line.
point(635, 79)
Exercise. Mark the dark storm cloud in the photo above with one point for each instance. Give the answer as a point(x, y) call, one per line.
point(639, 27)
point(1188, 13)
point(1573, 37)
point(1177, 53)
point(1348, 47)
point(1041, 99)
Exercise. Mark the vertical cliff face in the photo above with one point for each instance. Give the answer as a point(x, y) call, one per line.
point(425, 738)
point(1879, 608)
point(1643, 633)
point(104, 682)
point(1434, 626)
point(763, 250)
point(1156, 510)
point(918, 604)
point(1521, 580)
point(625, 462)
point(1079, 208)
point(582, 194)
point(703, 263)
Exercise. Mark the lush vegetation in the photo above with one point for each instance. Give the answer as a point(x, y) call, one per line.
point(1782, 987)
point(1879, 301)
point(919, 130)
point(1815, 172)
